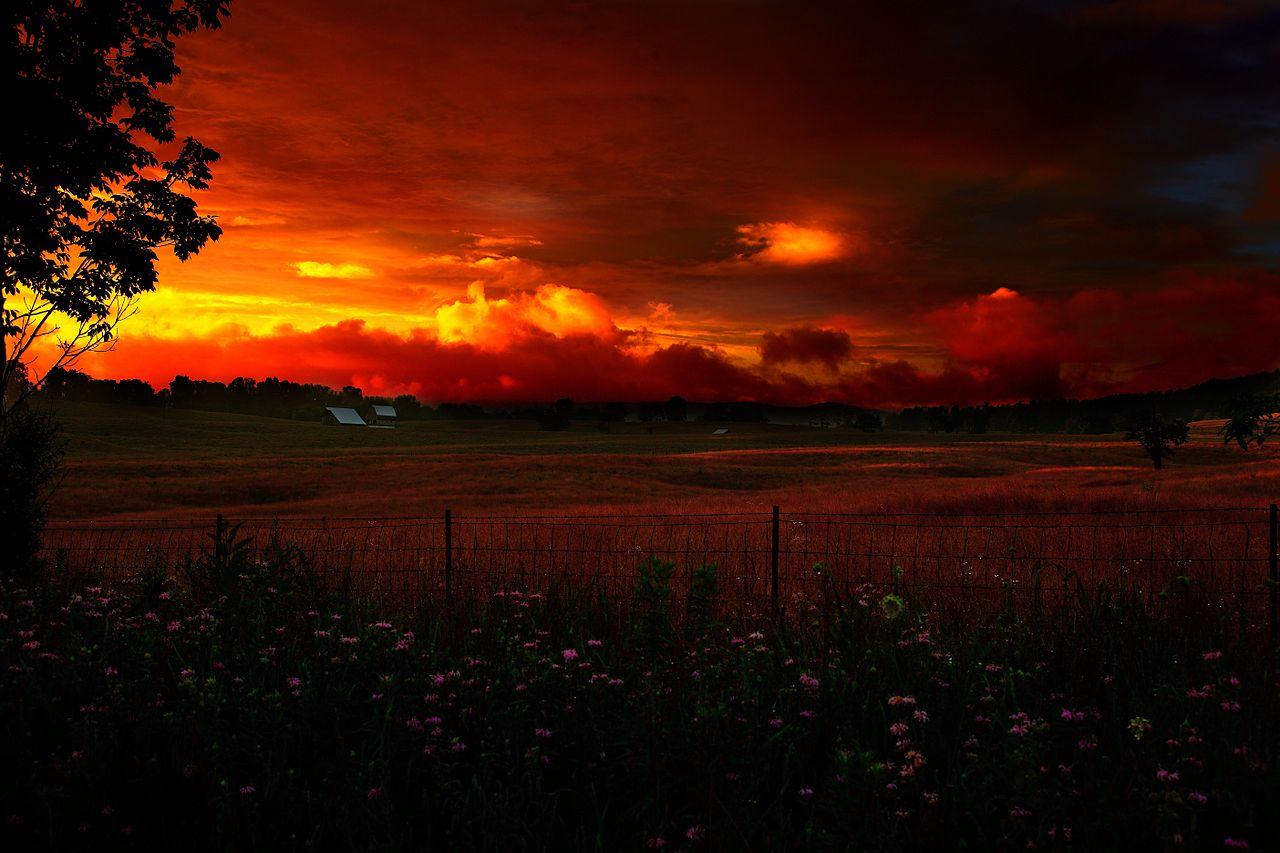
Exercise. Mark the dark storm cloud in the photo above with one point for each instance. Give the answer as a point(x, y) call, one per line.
point(947, 150)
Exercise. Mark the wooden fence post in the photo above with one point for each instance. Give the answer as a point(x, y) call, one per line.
point(1271, 575)
point(774, 574)
point(448, 555)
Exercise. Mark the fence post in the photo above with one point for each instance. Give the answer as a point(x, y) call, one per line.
point(774, 574)
point(448, 555)
point(219, 541)
point(1271, 576)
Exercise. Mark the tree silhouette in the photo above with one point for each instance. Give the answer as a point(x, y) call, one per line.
point(1158, 437)
point(84, 200)
point(1252, 420)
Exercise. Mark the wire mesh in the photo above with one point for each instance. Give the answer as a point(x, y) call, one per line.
point(958, 565)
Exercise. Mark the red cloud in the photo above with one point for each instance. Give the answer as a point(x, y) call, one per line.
point(998, 347)
point(1194, 328)
point(537, 366)
point(806, 345)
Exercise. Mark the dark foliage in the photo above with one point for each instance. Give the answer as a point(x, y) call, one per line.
point(30, 457)
point(85, 200)
point(1158, 436)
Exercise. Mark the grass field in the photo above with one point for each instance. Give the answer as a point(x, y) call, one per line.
point(127, 462)
point(240, 699)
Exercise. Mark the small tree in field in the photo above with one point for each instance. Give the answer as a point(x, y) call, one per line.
point(84, 201)
point(1158, 437)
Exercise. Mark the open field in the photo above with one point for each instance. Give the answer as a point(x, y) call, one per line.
point(127, 462)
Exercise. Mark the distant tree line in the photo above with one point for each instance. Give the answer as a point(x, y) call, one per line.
point(1217, 398)
point(1253, 400)
point(270, 397)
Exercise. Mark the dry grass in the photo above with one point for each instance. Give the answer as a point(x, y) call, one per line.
point(144, 463)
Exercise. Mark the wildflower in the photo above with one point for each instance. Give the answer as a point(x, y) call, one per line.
point(808, 682)
point(657, 843)
point(1235, 843)
point(542, 732)
point(1075, 716)
point(920, 716)
point(1139, 726)
point(570, 654)
point(902, 700)
point(594, 644)
point(247, 790)
point(898, 729)
point(776, 722)
point(891, 606)
point(373, 793)
point(1198, 798)
point(1212, 656)
point(695, 833)
point(1166, 775)
point(806, 792)
point(1018, 812)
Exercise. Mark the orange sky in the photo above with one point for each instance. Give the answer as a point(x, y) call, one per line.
point(745, 200)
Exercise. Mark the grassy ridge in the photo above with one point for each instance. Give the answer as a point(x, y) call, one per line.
point(247, 707)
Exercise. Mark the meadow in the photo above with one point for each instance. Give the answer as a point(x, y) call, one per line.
point(125, 462)
point(238, 698)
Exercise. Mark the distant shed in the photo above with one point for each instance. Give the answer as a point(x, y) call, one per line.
point(383, 415)
point(342, 416)
point(721, 431)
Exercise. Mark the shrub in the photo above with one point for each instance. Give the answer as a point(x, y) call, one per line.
point(30, 456)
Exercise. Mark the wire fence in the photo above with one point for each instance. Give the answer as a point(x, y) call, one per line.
point(957, 565)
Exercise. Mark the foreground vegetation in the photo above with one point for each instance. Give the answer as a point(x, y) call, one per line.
point(239, 705)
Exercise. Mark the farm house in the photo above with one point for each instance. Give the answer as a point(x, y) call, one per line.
point(341, 416)
point(380, 415)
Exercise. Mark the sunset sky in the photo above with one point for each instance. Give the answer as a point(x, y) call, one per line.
point(728, 199)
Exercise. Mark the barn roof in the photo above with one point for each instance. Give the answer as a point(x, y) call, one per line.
point(383, 411)
point(344, 415)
